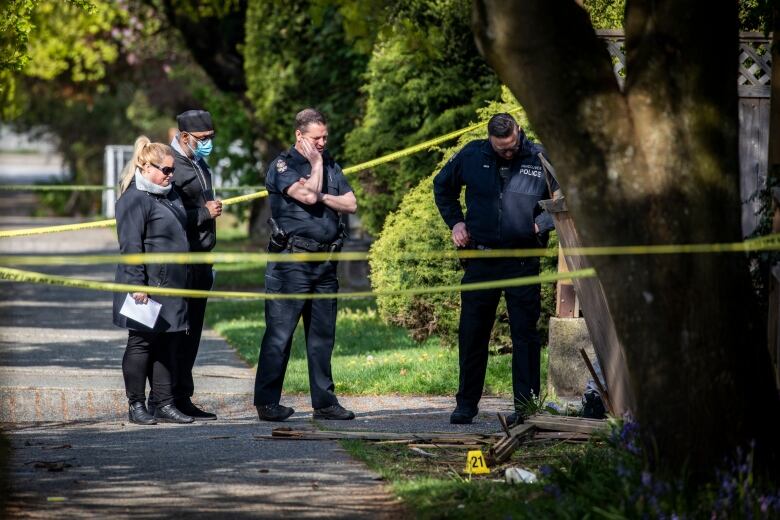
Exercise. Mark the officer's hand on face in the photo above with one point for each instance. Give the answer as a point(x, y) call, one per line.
point(309, 151)
point(140, 297)
point(214, 207)
point(460, 235)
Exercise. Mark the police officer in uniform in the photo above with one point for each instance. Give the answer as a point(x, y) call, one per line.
point(193, 183)
point(504, 181)
point(307, 192)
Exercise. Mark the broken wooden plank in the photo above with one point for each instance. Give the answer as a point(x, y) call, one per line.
point(595, 308)
point(431, 437)
point(559, 423)
point(503, 449)
point(429, 446)
point(560, 436)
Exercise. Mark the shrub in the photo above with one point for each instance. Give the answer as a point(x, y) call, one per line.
point(415, 229)
point(425, 78)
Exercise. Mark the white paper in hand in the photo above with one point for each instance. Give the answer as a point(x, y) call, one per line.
point(144, 313)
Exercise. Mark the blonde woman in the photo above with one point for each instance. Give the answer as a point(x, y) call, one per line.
point(151, 219)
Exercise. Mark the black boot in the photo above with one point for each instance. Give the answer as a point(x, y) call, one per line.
point(170, 414)
point(274, 412)
point(137, 414)
point(185, 406)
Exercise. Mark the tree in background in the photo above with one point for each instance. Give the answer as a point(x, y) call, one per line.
point(424, 79)
point(297, 56)
point(655, 163)
point(105, 74)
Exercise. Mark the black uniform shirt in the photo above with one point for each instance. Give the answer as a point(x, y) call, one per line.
point(316, 221)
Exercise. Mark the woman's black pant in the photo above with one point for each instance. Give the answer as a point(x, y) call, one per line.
point(151, 355)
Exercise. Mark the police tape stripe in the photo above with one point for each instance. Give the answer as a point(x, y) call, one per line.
point(8, 233)
point(767, 243)
point(97, 187)
point(415, 148)
point(260, 194)
point(104, 223)
point(16, 275)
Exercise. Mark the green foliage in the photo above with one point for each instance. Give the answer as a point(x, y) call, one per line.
point(417, 228)
point(69, 39)
point(606, 14)
point(15, 27)
point(293, 61)
point(51, 25)
point(425, 78)
point(754, 15)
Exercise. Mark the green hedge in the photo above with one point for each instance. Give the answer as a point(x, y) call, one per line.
point(417, 227)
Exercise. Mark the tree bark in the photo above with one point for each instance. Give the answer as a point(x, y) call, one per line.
point(654, 164)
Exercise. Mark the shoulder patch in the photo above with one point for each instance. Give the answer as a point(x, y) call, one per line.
point(281, 166)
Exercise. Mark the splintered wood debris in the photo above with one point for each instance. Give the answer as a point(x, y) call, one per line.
point(500, 446)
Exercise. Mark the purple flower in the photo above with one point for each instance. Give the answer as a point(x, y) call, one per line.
point(647, 479)
point(546, 470)
point(553, 489)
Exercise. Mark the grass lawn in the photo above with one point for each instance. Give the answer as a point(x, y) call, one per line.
point(370, 357)
point(433, 487)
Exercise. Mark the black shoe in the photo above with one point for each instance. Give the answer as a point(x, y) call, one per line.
point(137, 414)
point(513, 419)
point(274, 412)
point(151, 407)
point(593, 406)
point(463, 416)
point(334, 412)
point(185, 406)
point(170, 414)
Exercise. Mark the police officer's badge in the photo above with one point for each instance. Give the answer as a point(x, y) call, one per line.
point(281, 166)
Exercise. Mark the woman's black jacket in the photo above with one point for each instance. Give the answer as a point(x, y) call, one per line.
point(148, 223)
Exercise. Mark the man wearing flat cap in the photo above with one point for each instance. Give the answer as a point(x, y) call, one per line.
point(191, 145)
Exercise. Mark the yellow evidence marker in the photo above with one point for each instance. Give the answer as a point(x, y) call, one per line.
point(475, 463)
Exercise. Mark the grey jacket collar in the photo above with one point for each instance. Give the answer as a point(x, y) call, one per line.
point(143, 184)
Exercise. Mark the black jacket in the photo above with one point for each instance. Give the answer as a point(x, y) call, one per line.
point(148, 223)
point(501, 196)
point(192, 181)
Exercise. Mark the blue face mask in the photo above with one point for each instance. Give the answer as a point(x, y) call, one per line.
point(202, 149)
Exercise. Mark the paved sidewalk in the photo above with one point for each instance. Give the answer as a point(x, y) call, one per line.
point(62, 405)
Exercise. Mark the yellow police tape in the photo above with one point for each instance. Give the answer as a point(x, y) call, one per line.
point(96, 187)
point(105, 223)
point(767, 243)
point(260, 194)
point(16, 275)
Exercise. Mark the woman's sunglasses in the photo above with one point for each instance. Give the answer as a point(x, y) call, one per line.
point(167, 170)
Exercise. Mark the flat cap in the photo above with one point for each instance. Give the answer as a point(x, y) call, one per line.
point(195, 121)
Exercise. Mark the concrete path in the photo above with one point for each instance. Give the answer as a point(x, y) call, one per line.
point(73, 454)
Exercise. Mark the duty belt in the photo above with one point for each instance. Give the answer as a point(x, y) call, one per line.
point(307, 244)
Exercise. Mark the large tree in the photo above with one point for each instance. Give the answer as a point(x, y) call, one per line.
point(654, 163)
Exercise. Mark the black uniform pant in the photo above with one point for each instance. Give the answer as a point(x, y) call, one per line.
point(202, 279)
point(151, 355)
point(281, 318)
point(478, 312)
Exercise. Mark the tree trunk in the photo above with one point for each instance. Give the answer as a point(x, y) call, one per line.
point(654, 164)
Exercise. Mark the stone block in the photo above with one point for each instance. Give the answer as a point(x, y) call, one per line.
point(567, 374)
